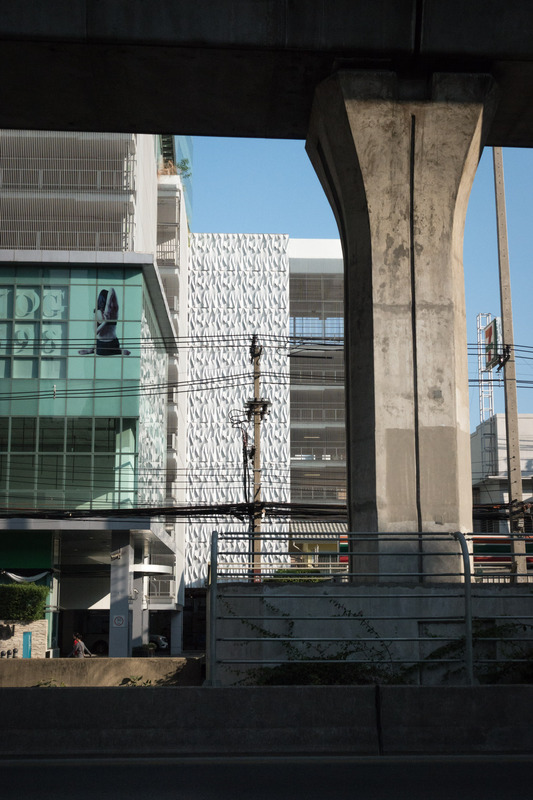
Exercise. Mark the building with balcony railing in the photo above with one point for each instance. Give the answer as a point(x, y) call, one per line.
point(318, 436)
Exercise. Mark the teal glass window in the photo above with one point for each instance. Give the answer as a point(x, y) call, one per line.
point(3, 471)
point(4, 434)
point(33, 326)
point(23, 430)
point(51, 434)
point(105, 434)
point(79, 435)
point(53, 462)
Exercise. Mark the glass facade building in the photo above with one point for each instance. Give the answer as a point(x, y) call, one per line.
point(87, 333)
point(70, 401)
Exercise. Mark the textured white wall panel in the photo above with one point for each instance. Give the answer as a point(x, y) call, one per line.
point(238, 286)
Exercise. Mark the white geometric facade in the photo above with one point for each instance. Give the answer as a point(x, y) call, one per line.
point(238, 287)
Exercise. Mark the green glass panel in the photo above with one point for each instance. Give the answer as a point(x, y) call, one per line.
point(108, 367)
point(132, 303)
point(28, 302)
point(79, 435)
point(130, 399)
point(25, 367)
point(82, 275)
point(81, 335)
point(107, 400)
point(78, 478)
point(5, 368)
point(132, 335)
point(126, 443)
point(20, 501)
point(55, 274)
point(54, 338)
point(107, 276)
point(104, 480)
point(4, 433)
point(54, 368)
point(55, 302)
point(83, 302)
point(105, 435)
point(25, 400)
point(50, 472)
point(131, 368)
point(51, 434)
point(81, 367)
point(27, 273)
point(133, 276)
point(21, 473)
point(6, 301)
point(52, 397)
point(80, 400)
point(23, 434)
point(26, 338)
point(3, 476)
point(126, 472)
point(6, 332)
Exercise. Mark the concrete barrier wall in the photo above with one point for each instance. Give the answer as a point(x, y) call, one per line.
point(98, 672)
point(391, 625)
point(338, 720)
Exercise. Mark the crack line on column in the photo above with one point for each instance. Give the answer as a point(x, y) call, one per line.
point(413, 319)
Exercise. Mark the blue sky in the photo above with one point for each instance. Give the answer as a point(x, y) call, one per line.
point(267, 186)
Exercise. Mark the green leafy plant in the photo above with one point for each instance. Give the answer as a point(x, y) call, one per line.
point(24, 602)
point(50, 684)
point(353, 661)
point(181, 168)
point(136, 680)
point(512, 662)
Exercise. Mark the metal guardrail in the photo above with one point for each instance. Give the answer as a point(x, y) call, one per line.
point(395, 607)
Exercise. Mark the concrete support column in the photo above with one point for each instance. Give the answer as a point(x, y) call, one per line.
point(397, 161)
point(119, 617)
point(140, 615)
point(176, 633)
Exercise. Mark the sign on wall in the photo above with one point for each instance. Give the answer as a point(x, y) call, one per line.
point(492, 344)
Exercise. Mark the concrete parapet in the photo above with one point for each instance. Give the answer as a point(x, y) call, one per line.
point(422, 720)
point(188, 721)
point(336, 720)
point(99, 672)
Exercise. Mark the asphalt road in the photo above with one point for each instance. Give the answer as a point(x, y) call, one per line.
point(380, 778)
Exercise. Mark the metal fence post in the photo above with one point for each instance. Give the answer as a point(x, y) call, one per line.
point(469, 646)
point(212, 640)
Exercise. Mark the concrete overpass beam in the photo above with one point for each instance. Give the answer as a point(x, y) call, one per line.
point(397, 160)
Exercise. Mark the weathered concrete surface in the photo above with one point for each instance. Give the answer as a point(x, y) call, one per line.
point(183, 721)
point(339, 720)
point(402, 618)
point(489, 719)
point(398, 171)
point(100, 671)
point(245, 67)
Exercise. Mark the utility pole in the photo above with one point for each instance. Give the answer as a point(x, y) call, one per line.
point(516, 517)
point(257, 409)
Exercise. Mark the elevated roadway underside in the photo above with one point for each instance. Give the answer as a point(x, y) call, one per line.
point(248, 67)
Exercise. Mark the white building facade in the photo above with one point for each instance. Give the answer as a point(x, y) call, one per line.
point(238, 288)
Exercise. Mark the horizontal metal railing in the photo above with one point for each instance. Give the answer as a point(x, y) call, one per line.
point(389, 607)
